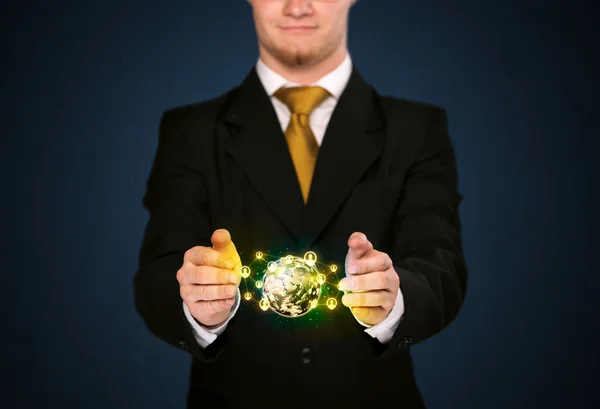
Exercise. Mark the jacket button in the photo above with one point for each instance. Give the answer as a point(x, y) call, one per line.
point(306, 355)
point(404, 342)
point(183, 344)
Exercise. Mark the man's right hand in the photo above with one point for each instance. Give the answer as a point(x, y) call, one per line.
point(209, 278)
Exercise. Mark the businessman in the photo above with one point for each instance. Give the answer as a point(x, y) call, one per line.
point(303, 155)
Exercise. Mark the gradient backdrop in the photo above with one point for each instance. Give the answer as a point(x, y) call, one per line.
point(83, 87)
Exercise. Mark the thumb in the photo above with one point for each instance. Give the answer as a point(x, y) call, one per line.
point(221, 240)
point(358, 246)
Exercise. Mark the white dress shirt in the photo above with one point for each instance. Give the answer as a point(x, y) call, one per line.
point(334, 82)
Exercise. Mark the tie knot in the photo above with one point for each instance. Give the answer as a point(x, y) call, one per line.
point(302, 100)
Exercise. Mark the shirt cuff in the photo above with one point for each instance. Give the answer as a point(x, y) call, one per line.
point(206, 335)
point(384, 331)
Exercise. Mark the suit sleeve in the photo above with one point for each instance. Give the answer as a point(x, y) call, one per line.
point(427, 246)
point(179, 219)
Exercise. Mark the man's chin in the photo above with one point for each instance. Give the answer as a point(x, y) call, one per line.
point(297, 59)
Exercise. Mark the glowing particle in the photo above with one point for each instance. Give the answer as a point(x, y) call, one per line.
point(331, 303)
point(264, 304)
point(310, 258)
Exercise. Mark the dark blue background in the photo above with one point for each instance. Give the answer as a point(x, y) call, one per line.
point(83, 87)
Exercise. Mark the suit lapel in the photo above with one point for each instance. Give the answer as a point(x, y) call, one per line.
point(353, 141)
point(260, 148)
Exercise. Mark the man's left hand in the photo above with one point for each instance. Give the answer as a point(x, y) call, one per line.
point(371, 280)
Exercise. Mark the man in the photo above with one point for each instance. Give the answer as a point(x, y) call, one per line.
point(303, 155)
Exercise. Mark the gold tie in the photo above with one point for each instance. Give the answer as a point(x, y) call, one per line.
point(301, 141)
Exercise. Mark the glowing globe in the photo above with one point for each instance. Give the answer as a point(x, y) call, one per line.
point(290, 286)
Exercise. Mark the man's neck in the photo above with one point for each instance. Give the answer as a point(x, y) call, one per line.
point(305, 74)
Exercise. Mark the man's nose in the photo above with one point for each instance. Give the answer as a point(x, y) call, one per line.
point(298, 8)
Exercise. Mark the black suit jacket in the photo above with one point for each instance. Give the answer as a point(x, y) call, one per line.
point(386, 168)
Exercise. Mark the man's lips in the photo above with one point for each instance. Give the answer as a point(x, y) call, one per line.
point(299, 29)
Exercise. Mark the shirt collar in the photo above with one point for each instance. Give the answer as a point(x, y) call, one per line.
point(334, 82)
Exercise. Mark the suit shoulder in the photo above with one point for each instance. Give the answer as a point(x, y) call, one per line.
point(193, 113)
point(415, 107)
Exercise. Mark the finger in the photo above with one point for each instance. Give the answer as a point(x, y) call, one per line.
point(368, 315)
point(221, 240)
point(358, 246)
point(374, 261)
point(212, 307)
point(194, 293)
point(378, 280)
point(366, 299)
point(206, 256)
point(210, 275)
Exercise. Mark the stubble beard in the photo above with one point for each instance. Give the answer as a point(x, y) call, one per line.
point(299, 57)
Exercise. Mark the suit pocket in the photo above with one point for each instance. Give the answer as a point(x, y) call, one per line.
point(370, 208)
point(375, 198)
point(390, 186)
